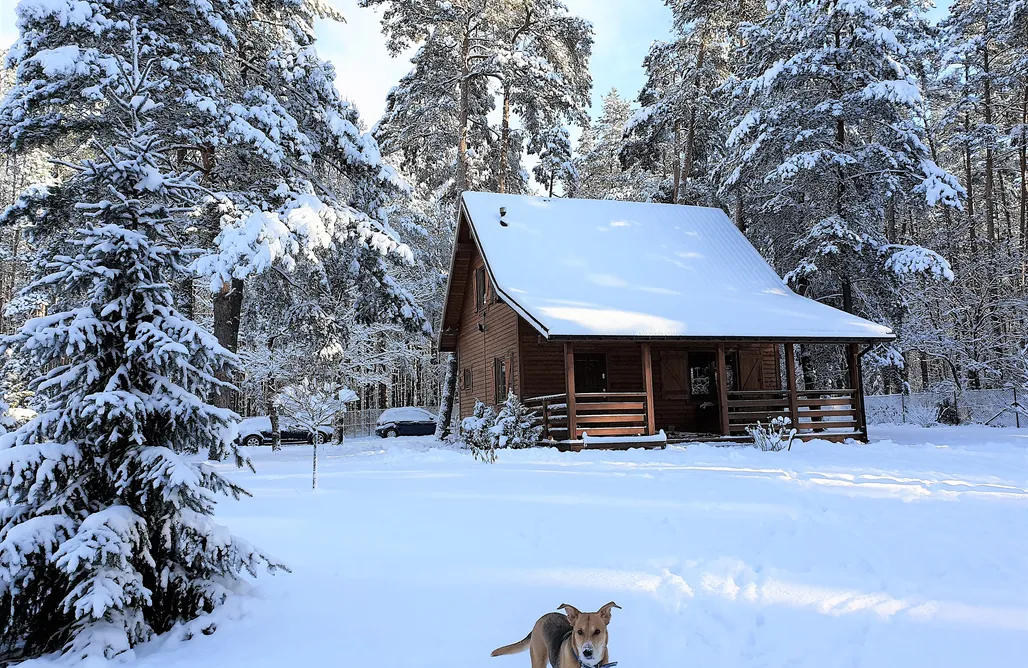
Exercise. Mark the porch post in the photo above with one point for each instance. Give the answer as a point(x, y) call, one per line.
point(857, 384)
point(647, 364)
point(790, 384)
point(722, 389)
point(569, 381)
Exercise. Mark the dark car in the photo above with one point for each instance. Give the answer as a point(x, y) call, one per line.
point(406, 421)
point(257, 431)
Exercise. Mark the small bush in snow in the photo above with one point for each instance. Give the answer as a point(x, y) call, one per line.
point(922, 409)
point(774, 437)
point(476, 435)
point(516, 427)
point(486, 431)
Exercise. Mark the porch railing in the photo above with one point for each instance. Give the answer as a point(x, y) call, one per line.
point(599, 413)
point(814, 411)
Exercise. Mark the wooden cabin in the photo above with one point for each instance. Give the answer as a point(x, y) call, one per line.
point(626, 323)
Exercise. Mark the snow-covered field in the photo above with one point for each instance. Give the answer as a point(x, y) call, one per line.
point(900, 553)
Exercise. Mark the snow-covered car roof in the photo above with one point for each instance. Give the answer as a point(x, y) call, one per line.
point(405, 413)
point(580, 268)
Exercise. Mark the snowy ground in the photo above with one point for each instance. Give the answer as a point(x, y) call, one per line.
point(900, 553)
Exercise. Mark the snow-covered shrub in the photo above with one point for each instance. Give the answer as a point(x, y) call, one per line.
point(486, 430)
point(774, 437)
point(922, 409)
point(106, 496)
point(476, 432)
point(314, 406)
point(516, 427)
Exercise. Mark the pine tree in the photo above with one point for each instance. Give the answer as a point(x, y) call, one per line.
point(106, 535)
point(678, 128)
point(252, 108)
point(555, 166)
point(600, 171)
point(825, 133)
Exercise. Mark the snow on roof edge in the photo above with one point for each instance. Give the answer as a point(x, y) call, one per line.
point(849, 328)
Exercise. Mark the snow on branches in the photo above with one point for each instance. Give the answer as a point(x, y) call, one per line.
point(105, 535)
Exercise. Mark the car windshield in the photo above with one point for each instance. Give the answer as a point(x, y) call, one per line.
point(406, 414)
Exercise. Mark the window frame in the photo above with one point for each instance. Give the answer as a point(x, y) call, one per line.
point(468, 380)
point(500, 380)
point(480, 289)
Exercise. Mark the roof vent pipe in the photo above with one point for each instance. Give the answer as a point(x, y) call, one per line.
point(503, 212)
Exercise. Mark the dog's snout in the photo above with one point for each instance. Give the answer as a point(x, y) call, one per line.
point(588, 652)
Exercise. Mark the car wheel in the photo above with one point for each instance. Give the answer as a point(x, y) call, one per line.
point(319, 438)
point(252, 441)
point(391, 433)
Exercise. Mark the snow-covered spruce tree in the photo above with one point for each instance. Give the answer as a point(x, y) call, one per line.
point(827, 139)
point(555, 166)
point(476, 434)
point(599, 168)
point(106, 535)
point(252, 108)
point(516, 427)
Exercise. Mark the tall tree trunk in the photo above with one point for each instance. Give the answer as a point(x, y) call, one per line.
point(501, 180)
point(442, 425)
point(463, 171)
point(690, 140)
point(990, 204)
point(969, 184)
point(553, 176)
point(270, 391)
point(1023, 160)
point(228, 305)
point(676, 171)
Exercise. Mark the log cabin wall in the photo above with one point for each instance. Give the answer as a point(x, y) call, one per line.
point(485, 335)
point(542, 363)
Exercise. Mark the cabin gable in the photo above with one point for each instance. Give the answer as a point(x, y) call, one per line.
point(488, 360)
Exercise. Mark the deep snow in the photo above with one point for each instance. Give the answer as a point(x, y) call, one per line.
point(891, 554)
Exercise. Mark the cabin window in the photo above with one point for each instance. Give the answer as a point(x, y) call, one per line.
point(499, 380)
point(480, 288)
point(469, 380)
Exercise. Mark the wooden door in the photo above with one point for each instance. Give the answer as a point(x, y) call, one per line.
point(590, 373)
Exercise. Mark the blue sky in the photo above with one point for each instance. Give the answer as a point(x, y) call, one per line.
point(624, 30)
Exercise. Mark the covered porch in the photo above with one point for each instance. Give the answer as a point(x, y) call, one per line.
point(627, 394)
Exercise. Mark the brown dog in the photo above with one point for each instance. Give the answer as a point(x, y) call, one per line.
point(578, 640)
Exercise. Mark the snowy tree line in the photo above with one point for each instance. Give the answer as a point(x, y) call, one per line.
point(875, 159)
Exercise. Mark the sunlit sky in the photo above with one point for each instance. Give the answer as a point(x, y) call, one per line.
point(624, 30)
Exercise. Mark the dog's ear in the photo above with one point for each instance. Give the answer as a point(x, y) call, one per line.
point(605, 611)
point(572, 611)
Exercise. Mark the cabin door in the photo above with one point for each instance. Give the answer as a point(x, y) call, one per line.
point(590, 373)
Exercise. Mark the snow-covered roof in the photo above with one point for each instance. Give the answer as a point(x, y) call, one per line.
point(576, 268)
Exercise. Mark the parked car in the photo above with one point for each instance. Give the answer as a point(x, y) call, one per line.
point(257, 431)
point(406, 421)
